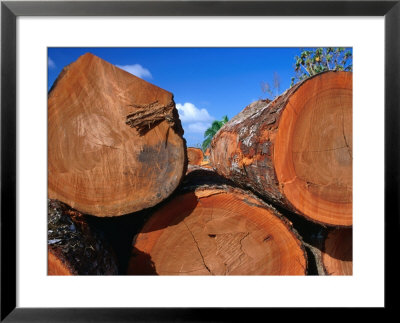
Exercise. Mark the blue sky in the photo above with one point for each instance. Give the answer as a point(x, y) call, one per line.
point(207, 83)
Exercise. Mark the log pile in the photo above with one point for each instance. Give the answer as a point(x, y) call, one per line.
point(272, 196)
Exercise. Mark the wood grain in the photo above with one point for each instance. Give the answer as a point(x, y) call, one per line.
point(115, 142)
point(337, 257)
point(195, 156)
point(295, 151)
point(216, 229)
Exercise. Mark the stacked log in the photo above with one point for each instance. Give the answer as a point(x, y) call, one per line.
point(295, 151)
point(337, 256)
point(74, 248)
point(116, 147)
point(195, 156)
point(212, 228)
point(115, 142)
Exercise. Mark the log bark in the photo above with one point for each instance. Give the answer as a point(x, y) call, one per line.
point(195, 156)
point(206, 164)
point(295, 151)
point(337, 256)
point(115, 142)
point(195, 168)
point(207, 152)
point(206, 160)
point(74, 248)
point(211, 228)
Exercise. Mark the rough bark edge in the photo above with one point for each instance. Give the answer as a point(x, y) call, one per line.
point(198, 175)
point(248, 111)
point(317, 255)
point(140, 118)
point(172, 118)
point(269, 112)
point(72, 240)
point(146, 117)
point(271, 108)
point(56, 252)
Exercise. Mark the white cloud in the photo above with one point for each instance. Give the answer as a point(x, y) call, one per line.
point(198, 127)
point(190, 114)
point(194, 122)
point(136, 69)
point(51, 63)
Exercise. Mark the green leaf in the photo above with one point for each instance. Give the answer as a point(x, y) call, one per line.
point(206, 143)
point(212, 130)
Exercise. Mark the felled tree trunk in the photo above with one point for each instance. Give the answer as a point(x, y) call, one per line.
point(195, 156)
point(206, 160)
point(337, 256)
point(73, 247)
point(295, 151)
point(193, 168)
point(211, 228)
point(115, 142)
point(206, 164)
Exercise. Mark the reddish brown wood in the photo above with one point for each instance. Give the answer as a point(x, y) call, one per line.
point(195, 156)
point(337, 257)
point(296, 151)
point(56, 266)
point(115, 142)
point(206, 160)
point(216, 229)
point(74, 248)
point(206, 164)
point(192, 168)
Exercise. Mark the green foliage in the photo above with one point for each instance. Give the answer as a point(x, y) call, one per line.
point(317, 60)
point(211, 131)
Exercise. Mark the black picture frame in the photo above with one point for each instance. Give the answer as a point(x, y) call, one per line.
point(10, 10)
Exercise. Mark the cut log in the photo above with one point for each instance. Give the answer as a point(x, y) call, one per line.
point(337, 256)
point(115, 142)
point(206, 164)
point(73, 247)
point(216, 229)
point(295, 151)
point(195, 156)
point(206, 160)
point(195, 168)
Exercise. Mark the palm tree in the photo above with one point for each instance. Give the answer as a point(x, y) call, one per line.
point(211, 131)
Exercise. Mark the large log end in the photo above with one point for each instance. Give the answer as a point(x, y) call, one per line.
point(217, 230)
point(295, 151)
point(115, 142)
